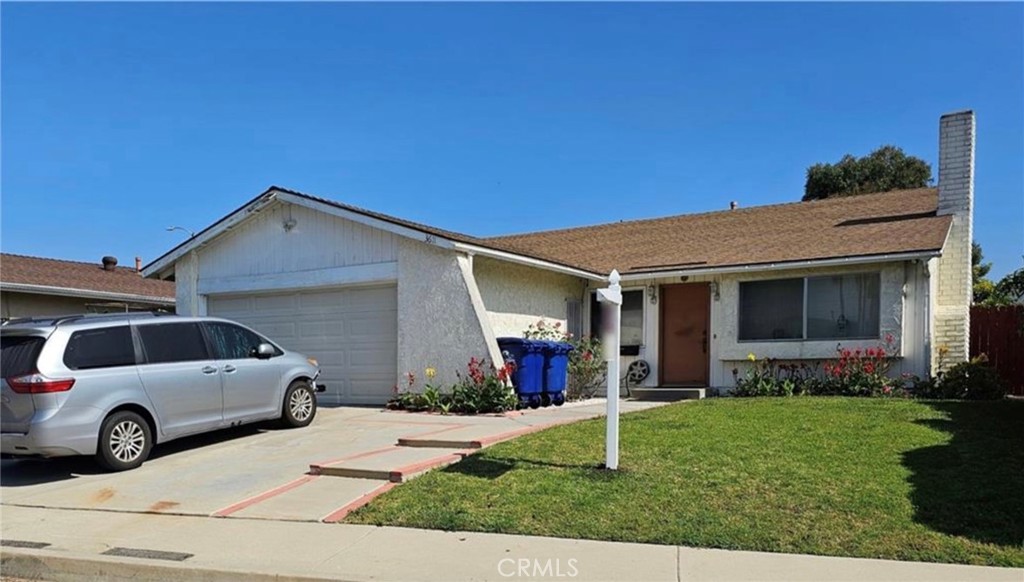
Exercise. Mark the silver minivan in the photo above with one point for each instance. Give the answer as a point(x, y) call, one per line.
point(115, 385)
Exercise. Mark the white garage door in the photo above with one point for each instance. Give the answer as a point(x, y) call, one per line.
point(353, 333)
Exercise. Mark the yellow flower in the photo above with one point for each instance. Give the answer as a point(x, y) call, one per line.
point(430, 372)
point(752, 357)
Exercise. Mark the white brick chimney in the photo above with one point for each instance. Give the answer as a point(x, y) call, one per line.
point(956, 198)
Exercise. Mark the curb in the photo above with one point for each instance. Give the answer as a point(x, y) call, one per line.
point(68, 567)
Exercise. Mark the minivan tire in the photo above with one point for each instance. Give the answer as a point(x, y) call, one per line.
point(299, 406)
point(125, 441)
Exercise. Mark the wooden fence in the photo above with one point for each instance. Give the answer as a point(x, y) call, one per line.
point(998, 332)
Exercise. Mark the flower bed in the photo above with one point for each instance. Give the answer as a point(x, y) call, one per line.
point(866, 373)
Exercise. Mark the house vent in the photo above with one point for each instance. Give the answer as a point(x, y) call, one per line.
point(109, 263)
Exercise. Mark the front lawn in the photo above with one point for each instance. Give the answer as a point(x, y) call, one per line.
point(875, 478)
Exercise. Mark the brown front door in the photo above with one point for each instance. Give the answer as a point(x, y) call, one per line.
point(684, 334)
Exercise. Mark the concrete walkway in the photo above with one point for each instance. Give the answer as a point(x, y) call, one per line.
point(254, 550)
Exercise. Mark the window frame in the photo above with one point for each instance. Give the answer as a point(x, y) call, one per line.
point(804, 338)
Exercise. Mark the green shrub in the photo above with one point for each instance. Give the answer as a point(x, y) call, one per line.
point(484, 389)
point(769, 378)
point(973, 380)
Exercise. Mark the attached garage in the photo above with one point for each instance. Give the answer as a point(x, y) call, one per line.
point(352, 332)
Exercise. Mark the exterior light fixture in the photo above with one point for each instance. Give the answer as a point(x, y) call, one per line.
point(652, 294)
point(715, 291)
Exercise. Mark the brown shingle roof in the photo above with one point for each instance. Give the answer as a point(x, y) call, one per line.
point(872, 224)
point(20, 269)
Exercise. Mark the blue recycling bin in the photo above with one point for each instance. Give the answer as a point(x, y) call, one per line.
point(528, 376)
point(556, 372)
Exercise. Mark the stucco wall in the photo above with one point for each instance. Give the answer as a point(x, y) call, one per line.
point(516, 296)
point(440, 313)
point(904, 291)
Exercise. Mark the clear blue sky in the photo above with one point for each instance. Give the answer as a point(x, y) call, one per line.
point(122, 119)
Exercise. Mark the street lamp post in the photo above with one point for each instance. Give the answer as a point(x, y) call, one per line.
point(183, 229)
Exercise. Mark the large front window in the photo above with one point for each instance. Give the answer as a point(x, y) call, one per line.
point(632, 324)
point(814, 308)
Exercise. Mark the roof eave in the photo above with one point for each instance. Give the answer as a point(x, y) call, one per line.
point(528, 261)
point(783, 265)
point(84, 293)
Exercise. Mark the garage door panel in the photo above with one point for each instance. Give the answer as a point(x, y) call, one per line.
point(351, 332)
point(272, 303)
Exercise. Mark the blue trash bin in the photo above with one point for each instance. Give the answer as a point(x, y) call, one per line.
point(528, 376)
point(556, 372)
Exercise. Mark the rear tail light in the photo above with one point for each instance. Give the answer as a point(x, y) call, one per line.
point(39, 384)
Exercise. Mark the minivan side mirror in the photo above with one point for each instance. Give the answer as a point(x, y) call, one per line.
point(265, 351)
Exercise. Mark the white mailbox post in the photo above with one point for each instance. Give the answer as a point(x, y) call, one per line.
point(611, 319)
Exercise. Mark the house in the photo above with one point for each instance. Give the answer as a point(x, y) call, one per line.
point(37, 286)
point(373, 296)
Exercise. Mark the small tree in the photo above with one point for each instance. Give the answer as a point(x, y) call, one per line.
point(887, 168)
point(982, 288)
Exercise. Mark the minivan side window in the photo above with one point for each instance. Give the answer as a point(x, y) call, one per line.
point(231, 342)
point(106, 347)
point(173, 342)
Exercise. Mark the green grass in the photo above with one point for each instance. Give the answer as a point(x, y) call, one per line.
point(876, 478)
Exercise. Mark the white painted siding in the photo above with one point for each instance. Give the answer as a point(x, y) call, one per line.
point(262, 246)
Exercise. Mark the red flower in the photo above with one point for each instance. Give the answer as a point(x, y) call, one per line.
point(871, 352)
point(869, 368)
point(881, 352)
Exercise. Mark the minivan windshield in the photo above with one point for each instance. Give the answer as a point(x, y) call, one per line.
point(18, 354)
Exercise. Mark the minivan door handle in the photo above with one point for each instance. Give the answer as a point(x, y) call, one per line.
point(209, 370)
point(229, 368)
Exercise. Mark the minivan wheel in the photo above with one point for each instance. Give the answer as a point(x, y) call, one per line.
point(125, 441)
point(299, 405)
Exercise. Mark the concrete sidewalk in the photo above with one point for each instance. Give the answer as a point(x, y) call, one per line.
point(254, 550)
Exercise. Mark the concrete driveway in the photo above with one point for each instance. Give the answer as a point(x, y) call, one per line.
point(319, 473)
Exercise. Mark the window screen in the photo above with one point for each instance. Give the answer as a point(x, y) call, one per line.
point(18, 354)
point(771, 310)
point(173, 342)
point(107, 347)
point(843, 306)
point(231, 342)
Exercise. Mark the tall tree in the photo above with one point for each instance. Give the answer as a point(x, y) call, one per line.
point(887, 168)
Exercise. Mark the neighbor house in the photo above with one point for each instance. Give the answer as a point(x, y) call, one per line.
point(373, 296)
point(37, 286)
